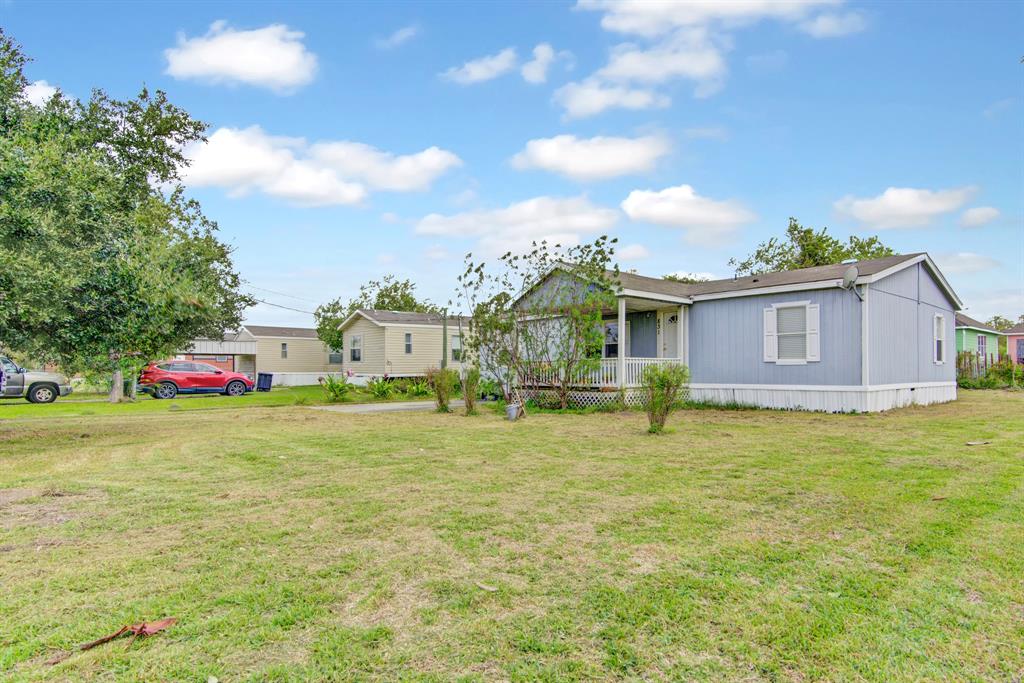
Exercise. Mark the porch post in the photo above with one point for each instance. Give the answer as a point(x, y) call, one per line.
point(682, 334)
point(621, 358)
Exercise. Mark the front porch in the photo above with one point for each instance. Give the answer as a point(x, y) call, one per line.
point(640, 333)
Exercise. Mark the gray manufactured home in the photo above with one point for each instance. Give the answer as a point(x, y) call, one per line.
point(794, 339)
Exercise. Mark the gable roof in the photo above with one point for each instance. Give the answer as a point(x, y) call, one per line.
point(379, 317)
point(868, 270)
point(963, 321)
point(273, 331)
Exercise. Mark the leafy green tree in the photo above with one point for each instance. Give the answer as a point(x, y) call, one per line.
point(1000, 323)
point(552, 335)
point(387, 294)
point(106, 263)
point(805, 248)
point(685, 279)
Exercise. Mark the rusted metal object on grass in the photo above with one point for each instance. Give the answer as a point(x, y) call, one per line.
point(144, 628)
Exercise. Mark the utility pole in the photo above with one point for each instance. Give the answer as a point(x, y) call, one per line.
point(444, 339)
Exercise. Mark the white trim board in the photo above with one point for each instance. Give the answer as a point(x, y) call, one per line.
point(826, 387)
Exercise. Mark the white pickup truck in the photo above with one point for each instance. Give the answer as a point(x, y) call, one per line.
point(35, 387)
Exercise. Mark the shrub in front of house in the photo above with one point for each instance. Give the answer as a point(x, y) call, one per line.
point(664, 391)
point(470, 389)
point(443, 382)
point(380, 387)
point(335, 388)
point(418, 388)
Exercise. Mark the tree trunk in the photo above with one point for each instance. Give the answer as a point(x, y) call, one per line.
point(117, 386)
point(133, 391)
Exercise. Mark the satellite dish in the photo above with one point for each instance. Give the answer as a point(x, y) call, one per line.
point(850, 277)
point(850, 281)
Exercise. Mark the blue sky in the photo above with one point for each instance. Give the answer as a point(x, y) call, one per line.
point(352, 140)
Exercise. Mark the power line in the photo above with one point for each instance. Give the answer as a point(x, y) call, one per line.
point(290, 296)
point(288, 308)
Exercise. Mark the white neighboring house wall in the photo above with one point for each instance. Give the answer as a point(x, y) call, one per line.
point(383, 347)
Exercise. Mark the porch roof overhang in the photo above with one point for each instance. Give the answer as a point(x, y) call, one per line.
point(639, 297)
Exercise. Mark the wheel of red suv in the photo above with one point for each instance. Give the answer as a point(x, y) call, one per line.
point(166, 390)
point(235, 388)
point(42, 393)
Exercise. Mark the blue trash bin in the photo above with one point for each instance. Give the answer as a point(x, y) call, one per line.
point(264, 380)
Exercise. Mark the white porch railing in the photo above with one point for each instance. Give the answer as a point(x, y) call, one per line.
point(605, 375)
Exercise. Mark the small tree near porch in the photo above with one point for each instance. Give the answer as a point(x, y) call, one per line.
point(551, 331)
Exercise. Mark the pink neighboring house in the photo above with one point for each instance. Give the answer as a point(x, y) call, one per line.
point(1015, 343)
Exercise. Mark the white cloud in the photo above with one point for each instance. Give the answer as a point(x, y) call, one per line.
point(993, 110)
point(988, 302)
point(689, 38)
point(686, 54)
point(965, 263)
point(652, 19)
point(483, 69)
point(591, 97)
point(436, 253)
point(513, 228)
point(705, 221)
point(271, 57)
point(595, 158)
point(326, 173)
point(633, 252)
point(768, 62)
point(390, 217)
point(904, 207)
point(399, 37)
point(978, 216)
point(707, 133)
point(384, 170)
point(39, 93)
point(536, 70)
point(834, 25)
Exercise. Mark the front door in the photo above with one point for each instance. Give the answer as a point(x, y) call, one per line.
point(206, 377)
point(670, 336)
point(14, 381)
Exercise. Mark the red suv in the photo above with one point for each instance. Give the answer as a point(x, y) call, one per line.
point(173, 377)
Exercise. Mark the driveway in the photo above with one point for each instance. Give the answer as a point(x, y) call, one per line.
point(392, 407)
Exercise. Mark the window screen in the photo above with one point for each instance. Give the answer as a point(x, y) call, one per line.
point(284, 350)
point(791, 329)
point(356, 350)
point(456, 348)
point(408, 342)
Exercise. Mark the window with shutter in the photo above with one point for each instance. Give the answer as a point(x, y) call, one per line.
point(792, 333)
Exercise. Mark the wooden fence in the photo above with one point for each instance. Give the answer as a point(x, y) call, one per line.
point(970, 364)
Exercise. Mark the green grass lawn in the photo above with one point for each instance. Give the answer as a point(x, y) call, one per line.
point(294, 544)
point(94, 404)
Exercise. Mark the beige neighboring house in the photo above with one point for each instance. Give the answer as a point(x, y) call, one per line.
point(295, 355)
point(399, 344)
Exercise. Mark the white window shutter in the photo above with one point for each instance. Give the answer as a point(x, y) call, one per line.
point(813, 333)
point(771, 341)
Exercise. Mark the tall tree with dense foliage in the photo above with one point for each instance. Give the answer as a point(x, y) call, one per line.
point(106, 263)
point(551, 334)
point(805, 248)
point(387, 294)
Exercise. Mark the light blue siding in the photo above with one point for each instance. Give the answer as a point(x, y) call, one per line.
point(643, 334)
point(727, 341)
point(901, 313)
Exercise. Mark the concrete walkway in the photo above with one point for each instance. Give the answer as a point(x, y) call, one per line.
point(392, 407)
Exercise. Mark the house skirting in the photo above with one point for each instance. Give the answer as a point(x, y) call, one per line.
point(828, 399)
